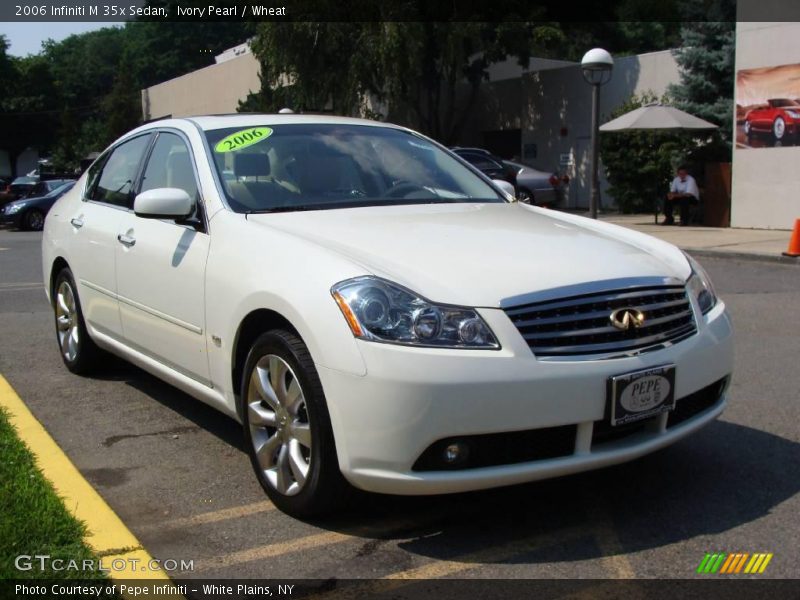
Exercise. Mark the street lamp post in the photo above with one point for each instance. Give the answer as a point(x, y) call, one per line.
point(597, 65)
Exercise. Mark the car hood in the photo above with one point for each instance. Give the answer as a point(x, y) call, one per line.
point(481, 254)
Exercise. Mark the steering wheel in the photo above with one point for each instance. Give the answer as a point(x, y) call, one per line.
point(401, 188)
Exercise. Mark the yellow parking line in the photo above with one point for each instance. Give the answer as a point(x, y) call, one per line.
point(362, 533)
point(107, 535)
point(215, 516)
point(458, 564)
point(272, 550)
point(609, 544)
point(19, 287)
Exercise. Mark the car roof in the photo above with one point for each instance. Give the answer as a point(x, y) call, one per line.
point(210, 122)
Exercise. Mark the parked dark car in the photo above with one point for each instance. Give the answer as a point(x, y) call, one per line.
point(29, 213)
point(18, 188)
point(487, 163)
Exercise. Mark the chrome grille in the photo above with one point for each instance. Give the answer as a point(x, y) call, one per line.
point(581, 325)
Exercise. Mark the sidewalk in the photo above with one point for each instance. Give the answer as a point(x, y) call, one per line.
point(759, 244)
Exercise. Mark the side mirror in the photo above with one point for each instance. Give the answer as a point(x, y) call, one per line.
point(506, 188)
point(163, 203)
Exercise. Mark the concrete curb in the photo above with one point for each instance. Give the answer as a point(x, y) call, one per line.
point(753, 256)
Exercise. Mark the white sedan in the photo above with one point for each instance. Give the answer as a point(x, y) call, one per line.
point(376, 312)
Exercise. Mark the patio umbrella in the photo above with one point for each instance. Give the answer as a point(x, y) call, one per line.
point(656, 116)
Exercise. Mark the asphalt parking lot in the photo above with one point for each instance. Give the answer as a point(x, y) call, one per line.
point(176, 472)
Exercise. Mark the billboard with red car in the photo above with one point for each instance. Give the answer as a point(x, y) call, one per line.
point(768, 107)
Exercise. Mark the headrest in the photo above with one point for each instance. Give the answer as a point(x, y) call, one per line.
point(251, 165)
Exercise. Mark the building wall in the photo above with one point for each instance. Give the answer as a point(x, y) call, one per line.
point(552, 108)
point(766, 181)
point(212, 90)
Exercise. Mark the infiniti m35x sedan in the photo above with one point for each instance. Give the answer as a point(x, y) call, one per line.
point(376, 312)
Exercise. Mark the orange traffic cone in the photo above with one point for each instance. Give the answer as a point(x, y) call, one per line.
point(794, 241)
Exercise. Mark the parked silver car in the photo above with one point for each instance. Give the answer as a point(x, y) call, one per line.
point(538, 187)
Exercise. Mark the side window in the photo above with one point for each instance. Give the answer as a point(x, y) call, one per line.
point(118, 175)
point(93, 175)
point(170, 165)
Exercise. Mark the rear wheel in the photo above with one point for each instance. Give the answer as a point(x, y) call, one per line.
point(33, 220)
point(287, 427)
point(524, 196)
point(78, 351)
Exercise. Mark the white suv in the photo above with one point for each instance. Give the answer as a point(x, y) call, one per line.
point(375, 311)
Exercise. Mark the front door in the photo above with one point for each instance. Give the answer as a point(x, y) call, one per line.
point(161, 269)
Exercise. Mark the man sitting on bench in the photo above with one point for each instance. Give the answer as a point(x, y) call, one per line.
point(682, 192)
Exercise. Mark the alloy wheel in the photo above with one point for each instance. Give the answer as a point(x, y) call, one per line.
point(779, 128)
point(36, 220)
point(280, 429)
point(67, 321)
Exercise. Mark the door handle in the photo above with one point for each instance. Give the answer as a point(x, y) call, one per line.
point(126, 240)
point(77, 222)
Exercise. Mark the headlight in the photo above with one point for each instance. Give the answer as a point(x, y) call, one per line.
point(14, 208)
point(793, 113)
point(385, 312)
point(699, 284)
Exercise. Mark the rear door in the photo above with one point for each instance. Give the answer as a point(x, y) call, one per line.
point(94, 228)
point(161, 267)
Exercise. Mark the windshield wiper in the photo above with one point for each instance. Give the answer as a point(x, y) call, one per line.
point(290, 208)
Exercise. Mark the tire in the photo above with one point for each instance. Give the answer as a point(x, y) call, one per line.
point(285, 416)
point(778, 128)
point(524, 196)
point(33, 220)
point(748, 129)
point(78, 351)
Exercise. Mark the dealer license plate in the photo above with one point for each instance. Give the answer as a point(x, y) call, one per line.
point(641, 394)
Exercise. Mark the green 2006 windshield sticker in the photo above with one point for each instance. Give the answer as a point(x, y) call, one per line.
point(242, 139)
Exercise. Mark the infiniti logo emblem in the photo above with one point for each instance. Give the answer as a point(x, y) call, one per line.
point(627, 318)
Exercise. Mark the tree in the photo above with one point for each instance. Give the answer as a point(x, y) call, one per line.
point(313, 66)
point(706, 61)
point(27, 107)
point(415, 69)
point(79, 94)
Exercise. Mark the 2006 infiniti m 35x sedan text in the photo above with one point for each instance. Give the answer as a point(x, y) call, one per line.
point(375, 311)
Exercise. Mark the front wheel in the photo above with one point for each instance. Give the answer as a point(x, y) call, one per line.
point(78, 351)
point(287, 427)
point(33, 220)
point(748, 129)
point(779, 128)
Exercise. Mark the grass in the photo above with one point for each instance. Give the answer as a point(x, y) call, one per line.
point(33, 519)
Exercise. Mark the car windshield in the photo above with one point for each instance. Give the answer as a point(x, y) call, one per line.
point(322, 166)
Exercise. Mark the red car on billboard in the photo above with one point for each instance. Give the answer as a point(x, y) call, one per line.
point(781, 119)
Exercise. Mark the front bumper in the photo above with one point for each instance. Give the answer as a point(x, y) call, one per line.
point(413, 397)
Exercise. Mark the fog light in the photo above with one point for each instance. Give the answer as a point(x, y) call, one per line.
point(455, 453)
